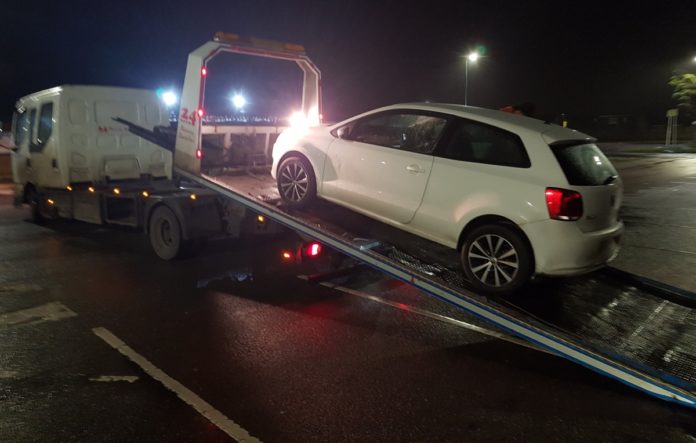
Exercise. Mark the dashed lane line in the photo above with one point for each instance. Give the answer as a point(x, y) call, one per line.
point(204, 408)
point(53, 311)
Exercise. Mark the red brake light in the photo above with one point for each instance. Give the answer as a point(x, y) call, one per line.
point(199, 154)
point(200, 112)
point(563, 204)
point(313, 249)
point(204, 71)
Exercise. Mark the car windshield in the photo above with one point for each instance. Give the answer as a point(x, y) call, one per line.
point(584, 164)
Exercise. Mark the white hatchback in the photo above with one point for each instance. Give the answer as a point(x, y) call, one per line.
point(515, 195)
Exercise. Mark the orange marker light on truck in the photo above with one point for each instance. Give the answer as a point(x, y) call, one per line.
point(286, 255)
point(90, 189)
point(69, 188)
point(260, 218)
point(193, 196)
point(146, 194)
point(117, 191)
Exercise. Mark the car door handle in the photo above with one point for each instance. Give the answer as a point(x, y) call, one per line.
point(415, 169)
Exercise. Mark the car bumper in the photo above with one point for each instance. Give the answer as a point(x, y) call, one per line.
point(562, 249)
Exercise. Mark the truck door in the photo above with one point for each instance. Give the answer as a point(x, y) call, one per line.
point(42, 147)
point(21, 165)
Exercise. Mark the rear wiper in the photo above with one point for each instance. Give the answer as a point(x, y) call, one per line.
point(610, 179)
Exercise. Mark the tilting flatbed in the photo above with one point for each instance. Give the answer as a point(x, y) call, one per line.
point(618, 325)
point(639, 333)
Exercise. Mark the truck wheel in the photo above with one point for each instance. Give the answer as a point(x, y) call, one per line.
point(297, 184)
point(34, 200)
point(165, 234)
point(496, 259)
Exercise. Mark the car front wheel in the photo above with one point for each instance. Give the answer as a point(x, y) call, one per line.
point(496, 259)
point(296, 181)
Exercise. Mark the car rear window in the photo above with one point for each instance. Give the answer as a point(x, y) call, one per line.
point(584, 164)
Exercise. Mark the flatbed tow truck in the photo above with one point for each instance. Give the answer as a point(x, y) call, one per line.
point(639, 332)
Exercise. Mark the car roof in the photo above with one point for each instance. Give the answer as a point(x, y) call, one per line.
point(514, 122)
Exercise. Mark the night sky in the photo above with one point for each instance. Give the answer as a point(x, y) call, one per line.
point(581, 58)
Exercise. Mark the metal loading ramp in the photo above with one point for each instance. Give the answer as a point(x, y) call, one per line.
point(618, 326)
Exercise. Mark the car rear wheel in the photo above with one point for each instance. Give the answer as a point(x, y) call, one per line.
point(296, 181)
point(496, 259)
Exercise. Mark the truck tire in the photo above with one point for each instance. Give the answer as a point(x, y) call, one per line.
point(165, 234)
point(34, 199)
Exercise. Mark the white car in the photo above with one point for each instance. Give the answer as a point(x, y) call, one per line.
point(515, 195)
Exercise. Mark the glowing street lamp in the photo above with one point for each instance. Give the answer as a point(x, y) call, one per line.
point(473, 58)
point(239, 102)
point(169, 98)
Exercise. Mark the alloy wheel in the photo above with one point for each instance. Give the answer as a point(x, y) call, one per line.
point(493, 260)
point(294, 181)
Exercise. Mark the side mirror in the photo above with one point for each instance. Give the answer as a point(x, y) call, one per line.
point(343, 132)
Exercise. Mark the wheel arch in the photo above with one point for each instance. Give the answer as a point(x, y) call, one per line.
point(298, 153)
point(493, 219)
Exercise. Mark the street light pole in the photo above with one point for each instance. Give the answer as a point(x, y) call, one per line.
point(473, 57)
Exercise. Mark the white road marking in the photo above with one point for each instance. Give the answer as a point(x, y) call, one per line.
point(432, 315)
point(8, 374)
point(686, 183)
point(8, 288)
point(110, 378)
point(53, 311)
point(204, 408)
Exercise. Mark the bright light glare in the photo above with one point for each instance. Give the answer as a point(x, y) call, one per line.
point(300, 120)
point(239, 101)
point(473, 57)
point(169, 98)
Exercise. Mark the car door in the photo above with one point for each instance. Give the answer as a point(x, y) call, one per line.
point(381, 163)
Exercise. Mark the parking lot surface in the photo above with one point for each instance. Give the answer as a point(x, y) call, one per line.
point(101, 341)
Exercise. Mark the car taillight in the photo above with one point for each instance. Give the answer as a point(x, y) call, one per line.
point(563, 204)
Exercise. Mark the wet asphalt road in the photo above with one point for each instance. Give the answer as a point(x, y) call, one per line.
point(285, 360)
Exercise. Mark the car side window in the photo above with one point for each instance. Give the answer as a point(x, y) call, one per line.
point(481, 143)
point(411, 132)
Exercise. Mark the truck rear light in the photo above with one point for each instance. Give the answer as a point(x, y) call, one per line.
point(199, 154)
point(204, 71)
point(564, 204)
point(313, 249)
point(286, 255)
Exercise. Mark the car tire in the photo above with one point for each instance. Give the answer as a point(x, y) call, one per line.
point(165, 234)
point(496, 259)
point(296, 181)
